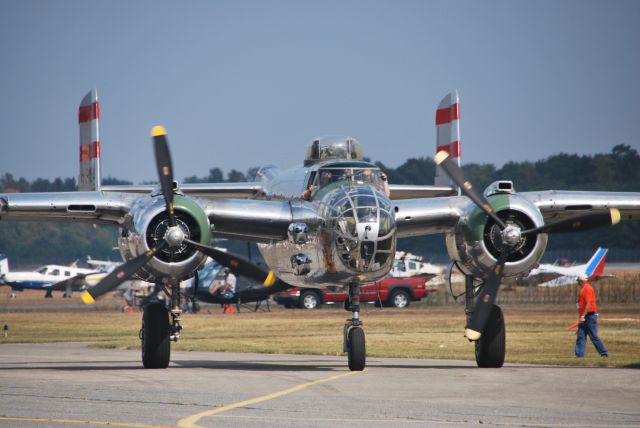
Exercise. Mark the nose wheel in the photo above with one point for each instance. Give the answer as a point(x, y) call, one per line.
point(353, 334)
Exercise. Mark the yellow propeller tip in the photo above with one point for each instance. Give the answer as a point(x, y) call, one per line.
point(472, 334)
point(157, 131)
point(440, 157)
point(270, 279)
point(87, 298)
point(615, 216)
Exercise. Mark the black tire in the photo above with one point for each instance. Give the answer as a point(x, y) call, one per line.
point(309, 300)
point(156, 348)
point(491, 347)
point(357, 350)
point(399, 299)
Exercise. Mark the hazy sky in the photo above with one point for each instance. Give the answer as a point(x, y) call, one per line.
point(246, 83)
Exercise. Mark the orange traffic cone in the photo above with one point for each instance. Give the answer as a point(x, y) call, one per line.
point(131, 309)
point(229, 309)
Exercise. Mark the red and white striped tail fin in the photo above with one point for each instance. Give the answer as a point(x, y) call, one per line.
point(89, 120)
point(448, 134)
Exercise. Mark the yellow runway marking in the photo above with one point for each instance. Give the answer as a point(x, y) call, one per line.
point(80, 422)
point(191, 421)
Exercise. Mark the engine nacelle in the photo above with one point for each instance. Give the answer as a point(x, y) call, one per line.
point(476, 243)
point(146, 225)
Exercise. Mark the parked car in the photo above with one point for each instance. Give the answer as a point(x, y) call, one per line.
point(389, 291)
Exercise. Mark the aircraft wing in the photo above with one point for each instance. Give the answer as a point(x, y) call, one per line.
point(256, 220)
point(88, 207)
point(416, 217)
point(411, 191)
point(249, 219)
point(202, 190)
point(425, 216)
point(559, 204)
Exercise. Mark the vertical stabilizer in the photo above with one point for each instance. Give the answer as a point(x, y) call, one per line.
point(448, 134)
point(4, 264)
point(595, 266)
point(88, 120)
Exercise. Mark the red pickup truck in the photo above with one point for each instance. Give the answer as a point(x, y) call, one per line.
point(389, 291)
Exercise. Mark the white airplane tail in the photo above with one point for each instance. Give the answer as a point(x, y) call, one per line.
point(448, 134)
point(89, 120)
point(595, 266)
point(4, 264)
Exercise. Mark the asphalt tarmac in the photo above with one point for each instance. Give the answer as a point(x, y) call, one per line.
point(70, 384)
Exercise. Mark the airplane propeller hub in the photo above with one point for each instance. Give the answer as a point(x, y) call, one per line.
point(511, 235)
point(175, 236)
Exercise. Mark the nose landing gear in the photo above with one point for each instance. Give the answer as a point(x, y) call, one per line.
point(353, 334)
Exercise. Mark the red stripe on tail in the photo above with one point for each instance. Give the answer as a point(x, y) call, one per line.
point(89, 151)
point(448, 114)
point(89, 112)
point(453, 149)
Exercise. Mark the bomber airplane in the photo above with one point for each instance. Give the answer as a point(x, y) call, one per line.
point(342, 233)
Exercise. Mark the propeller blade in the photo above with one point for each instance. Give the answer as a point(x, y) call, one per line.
point(579, 223)
point(454, 172)
point(165, 169)
point(485, 301)
point(240, 265)
point(119, 275)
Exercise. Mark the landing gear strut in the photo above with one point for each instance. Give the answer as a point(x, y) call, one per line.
point(353, 334)
point(490, 349)
point(157, 333)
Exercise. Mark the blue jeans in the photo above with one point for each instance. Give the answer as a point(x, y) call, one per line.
point(589, 327)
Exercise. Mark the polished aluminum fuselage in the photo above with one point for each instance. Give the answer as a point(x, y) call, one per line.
point(326, 256)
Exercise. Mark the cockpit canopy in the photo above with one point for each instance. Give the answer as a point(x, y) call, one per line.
point(346, 173)
point(332, 148)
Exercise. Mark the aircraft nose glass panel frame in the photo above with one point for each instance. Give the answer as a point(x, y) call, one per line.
point(364, 227)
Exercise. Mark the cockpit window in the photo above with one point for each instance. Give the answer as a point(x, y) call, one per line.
point(42, 270)
point(360, 176)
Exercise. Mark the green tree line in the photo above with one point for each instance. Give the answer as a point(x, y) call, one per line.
point(619, 170)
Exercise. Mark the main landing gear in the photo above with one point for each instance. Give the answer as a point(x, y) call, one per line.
point(490, 349)
point(353, 334)
point(157, 332)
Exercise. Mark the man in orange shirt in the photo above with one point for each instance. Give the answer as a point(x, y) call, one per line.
point(588, 319)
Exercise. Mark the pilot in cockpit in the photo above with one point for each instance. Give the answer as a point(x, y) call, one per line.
point(380, 182)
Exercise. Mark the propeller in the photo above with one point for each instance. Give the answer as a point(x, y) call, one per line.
point(128, 269)
point(175, 236)
point(241, 265)
point(119, 275)
point(510, 236)
point(578, 223)
point(454, 172)
point(165, 169)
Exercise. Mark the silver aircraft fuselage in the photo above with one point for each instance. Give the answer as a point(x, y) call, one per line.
point(345, 229)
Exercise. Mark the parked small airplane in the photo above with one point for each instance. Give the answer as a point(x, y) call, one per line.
point(49, 278)
point(330, 222)
point(551, 275)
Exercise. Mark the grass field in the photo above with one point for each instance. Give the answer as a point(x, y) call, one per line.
point(535, 334)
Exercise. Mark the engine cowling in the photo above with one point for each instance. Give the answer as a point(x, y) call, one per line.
point(146, 225)
point(476, 244)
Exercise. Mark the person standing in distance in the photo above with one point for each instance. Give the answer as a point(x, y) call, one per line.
point(588, 319)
